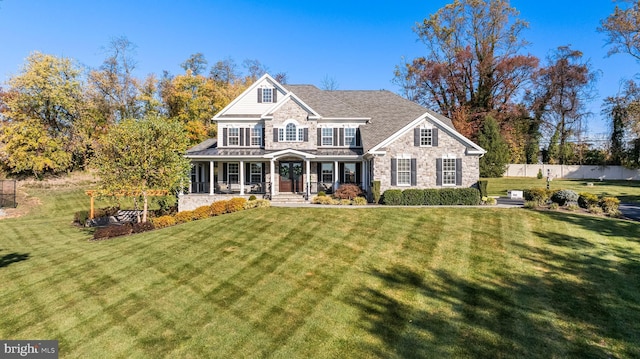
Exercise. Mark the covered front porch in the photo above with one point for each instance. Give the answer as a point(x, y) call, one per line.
point(292, 172)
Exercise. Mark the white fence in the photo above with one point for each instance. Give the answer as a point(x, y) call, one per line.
point(573, 172)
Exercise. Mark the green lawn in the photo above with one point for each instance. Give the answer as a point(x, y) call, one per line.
point(326, 283)
point(626, 191)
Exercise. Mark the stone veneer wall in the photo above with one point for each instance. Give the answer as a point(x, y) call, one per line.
point(290, 110)
point(426, 161)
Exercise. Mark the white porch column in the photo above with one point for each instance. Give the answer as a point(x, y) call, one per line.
point(241, 179)
point(364, 175)
point(308, 181)
point(336, 175)
point(273, 177)
point(211, 177)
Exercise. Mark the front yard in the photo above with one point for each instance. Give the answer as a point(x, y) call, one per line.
point(326, 282)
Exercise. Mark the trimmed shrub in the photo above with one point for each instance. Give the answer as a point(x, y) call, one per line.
point(392, 197)
point(163, 221)
point(572, 206)
point(468, 196)
point(610, 206)
point(143, 227)
point(586, 200)
point(554, 206)
point(81, 217)
point(218, 208)
point(113, 231)
point(345, 202)
point(413, 197)
point(348, 191)
point(531, 204)
point(183, 217)
point(202, 212)
point(235, 204)
point(448, 197)
point(252, 197)
point(359, 201)
point(375, 191)
point(490, 201)
point(595, 209)
point(539, 195)
point(564, 196)
point(482, 186)
point(263, 203)
point(322, 194)
point(431, 197)
point(323, 200)
point(539, 175)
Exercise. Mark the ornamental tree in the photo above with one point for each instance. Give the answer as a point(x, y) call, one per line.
point(142, 155)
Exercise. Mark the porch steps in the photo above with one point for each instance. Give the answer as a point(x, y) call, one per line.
point(288, 198)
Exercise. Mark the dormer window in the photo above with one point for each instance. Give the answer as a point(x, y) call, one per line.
point(350, 137)
point(234, 137)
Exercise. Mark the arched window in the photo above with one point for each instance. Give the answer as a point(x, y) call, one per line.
point(290, 132)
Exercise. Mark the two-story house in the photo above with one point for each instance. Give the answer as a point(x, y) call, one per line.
point(276, 140)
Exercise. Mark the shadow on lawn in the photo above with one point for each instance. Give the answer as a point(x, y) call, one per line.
point(578, 305)
point(11, 258)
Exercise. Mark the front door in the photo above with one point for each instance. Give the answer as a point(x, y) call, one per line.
point(291, 177)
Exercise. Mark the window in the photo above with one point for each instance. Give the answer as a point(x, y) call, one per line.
point(233, 136)
point(255, 174)
point(267, 95)
point(327, 173)
point(404, 171)
point(233, 173)
point(350, 137)
point(448, 171)
point(349, 173)
point(290, 132)
point(256, 136)
point(425, 137)
point(327, 137)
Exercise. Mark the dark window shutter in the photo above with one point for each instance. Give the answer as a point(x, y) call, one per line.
point(358, 173)
point(264, 170)
point(336, 135)
point(275, 134)
point(262, 135)
point(414, 172)
point(458, 171)
point(319, 137)
point(341, 136)
point(247, 136)
point(247, 172)
point(416, 136)
point(438, 171)
point(259, 95)
point(358, 138)
point(340, 172)
point(241, 135)
point(274, 94)
point(224, 172)
point(394, 172)
point(434, 137)
point(224, 137)
point(305, 134)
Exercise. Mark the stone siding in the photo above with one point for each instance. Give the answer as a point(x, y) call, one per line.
point(290, 111)
point(426, 161)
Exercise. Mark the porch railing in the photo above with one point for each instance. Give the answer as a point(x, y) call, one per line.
point(229, 188)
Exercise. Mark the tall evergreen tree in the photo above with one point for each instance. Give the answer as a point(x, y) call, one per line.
point(494, 162)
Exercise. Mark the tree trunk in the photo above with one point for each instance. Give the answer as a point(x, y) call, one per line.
point(145, 207)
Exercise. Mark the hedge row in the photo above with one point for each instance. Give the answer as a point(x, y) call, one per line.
point(431, 197)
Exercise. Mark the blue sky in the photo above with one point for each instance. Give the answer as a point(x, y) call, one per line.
point(358, 43)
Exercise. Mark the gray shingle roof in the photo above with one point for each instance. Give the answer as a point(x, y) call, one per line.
point(388, 112)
